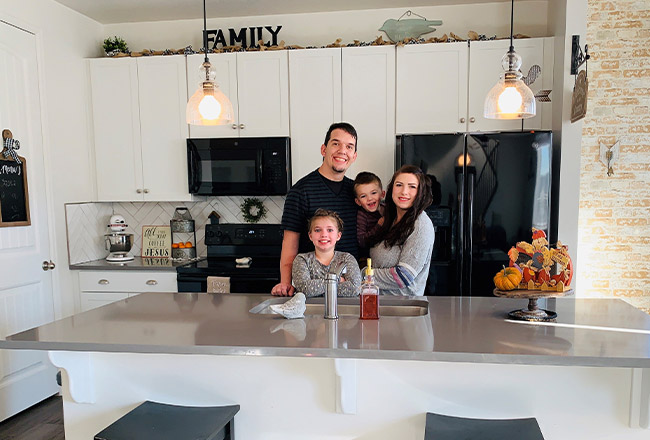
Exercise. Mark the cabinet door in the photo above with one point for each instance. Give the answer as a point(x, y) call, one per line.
point(225, 67)
point(116, 123)
point(432, 88)
point(163, 99)
point(368, 103)
point(263, 92)
point(485, 70)
point(314, 104)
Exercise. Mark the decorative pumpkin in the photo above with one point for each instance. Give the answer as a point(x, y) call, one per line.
point(507, 279)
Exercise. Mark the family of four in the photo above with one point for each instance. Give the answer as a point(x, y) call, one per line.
point(329, 218)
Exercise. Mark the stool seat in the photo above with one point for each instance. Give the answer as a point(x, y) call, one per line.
point(440, 427)
point(159, 421)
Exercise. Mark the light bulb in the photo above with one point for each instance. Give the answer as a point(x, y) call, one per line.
point(509, 100)
point(209, 107)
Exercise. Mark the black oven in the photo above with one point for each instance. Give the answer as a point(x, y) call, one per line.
point(239, 166)
point(228, 242)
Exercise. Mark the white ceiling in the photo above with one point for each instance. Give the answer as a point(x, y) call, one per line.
point(123, 11)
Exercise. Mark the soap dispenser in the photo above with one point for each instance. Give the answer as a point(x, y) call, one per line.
point(369, 295)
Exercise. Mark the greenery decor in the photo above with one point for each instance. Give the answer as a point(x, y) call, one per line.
point(253, 210)
point(115, 44)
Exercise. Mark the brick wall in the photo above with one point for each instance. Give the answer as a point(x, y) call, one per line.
point(614, 219)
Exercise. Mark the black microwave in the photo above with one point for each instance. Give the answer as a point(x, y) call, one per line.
point(239, 166)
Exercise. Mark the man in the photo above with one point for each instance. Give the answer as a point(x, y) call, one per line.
point(327, 188)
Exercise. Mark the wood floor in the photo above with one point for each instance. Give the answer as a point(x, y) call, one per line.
point(43, 421)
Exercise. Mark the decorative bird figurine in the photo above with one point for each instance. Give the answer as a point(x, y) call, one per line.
point(397, 30)
point(293, 308)
point(533, 73)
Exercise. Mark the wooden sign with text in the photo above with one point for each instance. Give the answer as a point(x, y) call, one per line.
point(14, 198)
point(156, 241)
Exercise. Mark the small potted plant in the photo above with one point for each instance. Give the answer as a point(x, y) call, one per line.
point(114, 46)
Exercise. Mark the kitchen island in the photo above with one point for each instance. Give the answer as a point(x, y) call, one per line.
point(585, 376)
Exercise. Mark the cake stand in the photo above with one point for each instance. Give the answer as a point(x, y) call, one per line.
point(532, 312)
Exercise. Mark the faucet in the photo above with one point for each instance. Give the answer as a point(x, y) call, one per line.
point(332, 290)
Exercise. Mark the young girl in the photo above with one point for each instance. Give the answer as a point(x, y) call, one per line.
point(310, 269)
point(403, 245)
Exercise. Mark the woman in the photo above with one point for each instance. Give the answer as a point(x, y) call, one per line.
point(402, 252)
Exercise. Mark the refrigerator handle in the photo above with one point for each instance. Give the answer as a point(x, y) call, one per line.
point(469, 243)
point(460, 233)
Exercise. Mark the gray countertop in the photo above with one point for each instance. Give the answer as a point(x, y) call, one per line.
point(588, 332)
point(138, 263)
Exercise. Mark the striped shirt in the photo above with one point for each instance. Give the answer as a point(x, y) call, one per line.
point(312, 192)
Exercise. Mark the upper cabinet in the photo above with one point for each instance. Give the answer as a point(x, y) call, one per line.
point(139, 128)
point(442, 87)
point(257, 84)
point(432, 87)
point(368, 103)
point(315, 103)
point(485, 70)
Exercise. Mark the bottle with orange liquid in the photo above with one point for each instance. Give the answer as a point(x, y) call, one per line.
point(369, 295)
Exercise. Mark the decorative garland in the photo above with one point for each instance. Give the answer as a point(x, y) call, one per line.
point(253, 210)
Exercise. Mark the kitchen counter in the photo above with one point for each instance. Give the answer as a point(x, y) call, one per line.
point(462, 358)
point(588, 332)
point(138, 263)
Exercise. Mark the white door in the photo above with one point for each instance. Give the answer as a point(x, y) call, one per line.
point(263, 93)
point(26, 297)
point(314, 104)
point(368, 103)
point(432, 88)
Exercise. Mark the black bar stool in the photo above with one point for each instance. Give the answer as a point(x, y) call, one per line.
point(441, 427)
point(159, 421)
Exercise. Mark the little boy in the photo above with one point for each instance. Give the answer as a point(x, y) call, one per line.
point(309, 271)
point(369, 196)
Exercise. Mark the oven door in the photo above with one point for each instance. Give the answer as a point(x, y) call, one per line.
point(238, 284)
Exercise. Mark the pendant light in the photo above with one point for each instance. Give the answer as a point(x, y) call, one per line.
point(510, 98)
point(208, 105)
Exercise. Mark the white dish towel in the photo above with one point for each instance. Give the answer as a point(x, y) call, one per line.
point(218, 284)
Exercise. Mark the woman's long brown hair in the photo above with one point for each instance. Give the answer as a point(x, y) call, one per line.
point(396, 234)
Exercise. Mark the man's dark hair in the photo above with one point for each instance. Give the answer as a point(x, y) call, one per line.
point(366, 177)
point(346, 127)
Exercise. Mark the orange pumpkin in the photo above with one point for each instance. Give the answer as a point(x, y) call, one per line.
point(507, 279)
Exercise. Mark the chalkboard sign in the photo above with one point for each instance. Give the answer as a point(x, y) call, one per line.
point(14, 198)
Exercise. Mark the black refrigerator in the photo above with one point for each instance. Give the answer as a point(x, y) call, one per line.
point(489, 190)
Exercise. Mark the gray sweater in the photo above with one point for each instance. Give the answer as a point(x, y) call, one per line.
point(308, 274)
point(404, 270)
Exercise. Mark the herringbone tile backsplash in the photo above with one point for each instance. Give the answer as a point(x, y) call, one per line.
point(87, 222)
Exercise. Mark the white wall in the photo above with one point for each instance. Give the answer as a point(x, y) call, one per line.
point(567, 18)
point(323, 28)
point(64, 39)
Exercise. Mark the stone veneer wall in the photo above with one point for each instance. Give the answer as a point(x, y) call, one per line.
point(614, 238)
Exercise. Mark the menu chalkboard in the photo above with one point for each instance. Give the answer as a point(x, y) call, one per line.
point(14, 198)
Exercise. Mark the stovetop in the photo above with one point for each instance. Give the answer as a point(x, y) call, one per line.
point(226, 266)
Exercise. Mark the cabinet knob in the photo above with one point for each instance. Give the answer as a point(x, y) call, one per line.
point(151, 282)
point(472, 119)
point(242, 126)
point(102, 282)
point(139, 191)
point(146, 191)
point(234, 126)
point(48, 265)
point(462, 120)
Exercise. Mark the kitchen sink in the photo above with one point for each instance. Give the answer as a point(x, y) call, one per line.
point(388, 306)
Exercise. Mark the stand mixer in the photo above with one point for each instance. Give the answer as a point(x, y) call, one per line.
point(118, 242)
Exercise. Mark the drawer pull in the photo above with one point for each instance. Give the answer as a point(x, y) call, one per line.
point(102, 282)
point(151, 282)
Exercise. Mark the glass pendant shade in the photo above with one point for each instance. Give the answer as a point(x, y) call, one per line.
point(208, 105)
point(510, 98)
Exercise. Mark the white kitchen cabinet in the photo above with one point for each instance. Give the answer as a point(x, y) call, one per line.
point(368, 103)
point(485, 69)
point(99, 288)
point(431, 83)
point(257, 84)
point(314, 104)
point(442, 87)
point(139, 128)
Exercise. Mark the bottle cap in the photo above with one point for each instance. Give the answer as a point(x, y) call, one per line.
point(369, 270)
